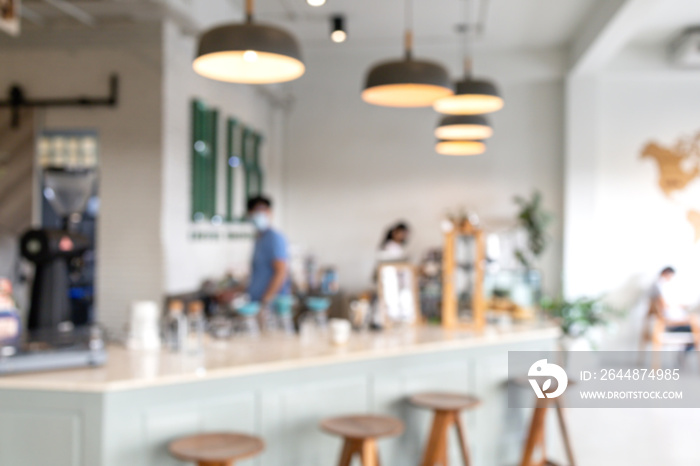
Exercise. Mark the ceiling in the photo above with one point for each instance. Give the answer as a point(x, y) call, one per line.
point(509, 24)
point(669, 18)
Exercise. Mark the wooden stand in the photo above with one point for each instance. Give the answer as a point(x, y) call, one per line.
point(450, 318)
point(536, 435)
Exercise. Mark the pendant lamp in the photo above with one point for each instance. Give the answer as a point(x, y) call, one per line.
point(463, 127)
point(408, 82)
point(460, 147)
point(249, 53)
point(472, 96)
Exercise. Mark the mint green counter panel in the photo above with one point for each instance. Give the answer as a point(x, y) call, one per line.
point(50, 428)
point(133, 426)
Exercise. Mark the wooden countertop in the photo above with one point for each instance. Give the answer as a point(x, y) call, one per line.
point(129, 369)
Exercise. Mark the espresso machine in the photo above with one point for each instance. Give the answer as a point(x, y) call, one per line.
point(58, 337)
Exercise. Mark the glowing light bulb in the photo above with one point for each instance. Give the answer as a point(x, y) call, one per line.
point(338, 36)
point(250, 56)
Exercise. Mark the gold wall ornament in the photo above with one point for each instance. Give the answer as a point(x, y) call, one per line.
point(678, 168)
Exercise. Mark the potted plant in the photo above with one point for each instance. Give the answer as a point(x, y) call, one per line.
point(579, 320)
point(534, 220)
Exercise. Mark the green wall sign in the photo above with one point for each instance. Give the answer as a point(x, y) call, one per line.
point(241, 159)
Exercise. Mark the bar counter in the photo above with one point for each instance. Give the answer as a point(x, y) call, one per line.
point(279, 388)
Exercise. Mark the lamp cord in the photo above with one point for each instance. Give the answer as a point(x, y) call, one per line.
point(473, 29)
point(467, 51)
point(249, 11)
point(408, 24)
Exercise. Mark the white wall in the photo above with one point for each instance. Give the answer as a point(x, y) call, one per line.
point(621, 229)
point(186, 261)
point(352, 169)
point(67, 63)
point(144, 238)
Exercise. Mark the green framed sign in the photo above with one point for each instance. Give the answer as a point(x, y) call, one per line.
point(241, 159)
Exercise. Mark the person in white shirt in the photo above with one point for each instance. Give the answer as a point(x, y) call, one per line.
point(665, 303)
point(393, 246)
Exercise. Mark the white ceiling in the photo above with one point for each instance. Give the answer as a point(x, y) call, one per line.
point(509, 24)
point(669, 18)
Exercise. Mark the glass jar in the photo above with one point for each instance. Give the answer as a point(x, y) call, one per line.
point(175, 326)
point(195, 327)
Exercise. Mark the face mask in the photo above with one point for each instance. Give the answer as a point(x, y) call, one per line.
point(261, 221)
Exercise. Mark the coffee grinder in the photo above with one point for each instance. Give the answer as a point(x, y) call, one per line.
point(67, 190)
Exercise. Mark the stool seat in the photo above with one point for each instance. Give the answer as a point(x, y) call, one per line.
point(444, 401)
point(446, 407)
point(363, 426)
point(360, 434)
point(216, 448)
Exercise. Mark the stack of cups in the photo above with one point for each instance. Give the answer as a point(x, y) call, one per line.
point(144, 331)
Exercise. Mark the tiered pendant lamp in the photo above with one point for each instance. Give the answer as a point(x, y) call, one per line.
point(462, 132)
point(249, 53)
point(407, 82)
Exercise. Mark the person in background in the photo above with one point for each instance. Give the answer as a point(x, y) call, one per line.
point(393, 246)
point(269, 276)
point(665, 303)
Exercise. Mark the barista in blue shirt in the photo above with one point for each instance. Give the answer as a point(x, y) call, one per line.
point(269, 276)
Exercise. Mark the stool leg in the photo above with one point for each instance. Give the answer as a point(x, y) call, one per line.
point(349, 449)
point(443, 459)
point(535, 436)
point(462, 434)
point(369, 453)
point(564, 433)
point(436, 449)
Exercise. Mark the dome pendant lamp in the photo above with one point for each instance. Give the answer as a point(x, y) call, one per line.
point(472, 96)
point(463, 127)
point(249, 53)
point(408, 82)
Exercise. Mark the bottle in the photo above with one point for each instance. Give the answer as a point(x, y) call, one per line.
point(175, 326)
point(195, 327)
point(283, 311)
point(248, 311)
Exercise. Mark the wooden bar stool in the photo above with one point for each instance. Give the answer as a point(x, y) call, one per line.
point(447, 408)
point(216, 449)
point(361, 434)
point(536, 435)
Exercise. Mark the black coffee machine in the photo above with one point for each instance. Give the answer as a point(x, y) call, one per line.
point(51, 250)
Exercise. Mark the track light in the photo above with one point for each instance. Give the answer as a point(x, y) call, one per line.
point(338, 33)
